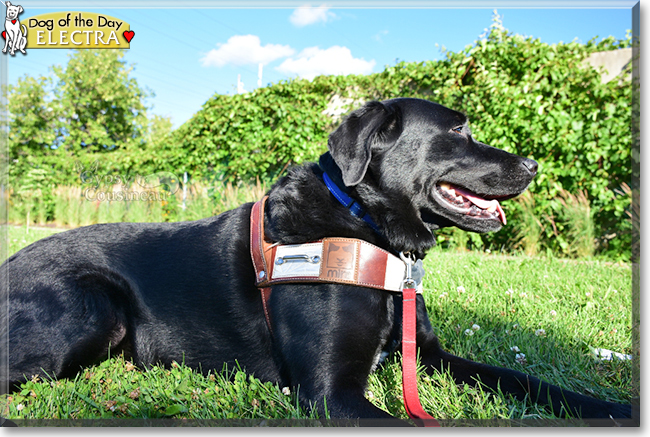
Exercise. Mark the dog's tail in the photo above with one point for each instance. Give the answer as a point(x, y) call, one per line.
point(24, 30)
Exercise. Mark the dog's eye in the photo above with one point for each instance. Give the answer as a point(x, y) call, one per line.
point(458, 130)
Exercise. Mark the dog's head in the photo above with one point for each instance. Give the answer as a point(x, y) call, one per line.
point(415, 162)
point(13, 10)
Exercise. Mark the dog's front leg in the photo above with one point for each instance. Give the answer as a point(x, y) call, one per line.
point(22, 43)
point(327, 339)
point(563, 403)
point(4, 50)
point(14, 43)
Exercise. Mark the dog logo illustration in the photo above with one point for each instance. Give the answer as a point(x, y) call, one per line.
point(15, 33)
point(340, 260)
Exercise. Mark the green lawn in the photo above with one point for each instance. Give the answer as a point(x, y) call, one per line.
point(481, 305)
point(22, 236)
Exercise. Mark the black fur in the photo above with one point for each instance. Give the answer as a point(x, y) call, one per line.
point(186, 291)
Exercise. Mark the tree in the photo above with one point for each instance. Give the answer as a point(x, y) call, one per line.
point(32, 127)
point(90, 106)
point(99, 107)
point(86, 109)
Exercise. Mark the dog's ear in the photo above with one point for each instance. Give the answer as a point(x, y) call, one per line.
point(374, 125)
point(7, 4)
point(21, 10)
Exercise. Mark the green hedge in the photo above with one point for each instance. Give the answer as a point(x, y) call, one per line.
point(525, 96)
point(528, 97)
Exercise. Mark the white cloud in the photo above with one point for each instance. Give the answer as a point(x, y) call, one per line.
point(305, 15)
point(243, 50)
point(336, 60)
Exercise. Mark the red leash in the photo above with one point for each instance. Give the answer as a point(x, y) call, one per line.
point(409, 354)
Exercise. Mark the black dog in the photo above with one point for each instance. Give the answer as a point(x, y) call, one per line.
point(186, 291)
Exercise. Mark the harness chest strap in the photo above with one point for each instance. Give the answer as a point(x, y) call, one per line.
point(334, 260)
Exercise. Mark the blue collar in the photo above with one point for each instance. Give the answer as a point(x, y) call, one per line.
point(354, 207)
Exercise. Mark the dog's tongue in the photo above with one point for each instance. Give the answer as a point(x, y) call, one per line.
point(490, 205)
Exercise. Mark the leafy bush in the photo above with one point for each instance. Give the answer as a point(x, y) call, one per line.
point(538, 100)
point(531, 98)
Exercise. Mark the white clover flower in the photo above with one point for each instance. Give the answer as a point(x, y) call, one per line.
point(515, 349)
point(370, 395)
point(469, 332)
point(443, 295)
point(540, 333)
point(286, 391)
point(509, 292)
point(520, 358)
point(460, 289)
point(20, 407)
point(523, 294)
point(475, 327)
point(553, 313)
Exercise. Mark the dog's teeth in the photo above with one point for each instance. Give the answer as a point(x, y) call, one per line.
point(448, 188)
point(492, 207)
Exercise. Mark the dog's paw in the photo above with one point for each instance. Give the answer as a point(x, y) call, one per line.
point(620, 411)
point(599, 409)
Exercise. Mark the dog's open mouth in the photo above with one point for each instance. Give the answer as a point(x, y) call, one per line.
point(463, 201)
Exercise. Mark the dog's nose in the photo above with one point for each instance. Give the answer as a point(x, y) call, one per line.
point(531, 165)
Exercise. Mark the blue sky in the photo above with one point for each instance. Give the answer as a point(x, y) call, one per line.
point(186, 51)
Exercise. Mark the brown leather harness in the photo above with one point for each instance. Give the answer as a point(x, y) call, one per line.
point(348, 261)
point(332, 260)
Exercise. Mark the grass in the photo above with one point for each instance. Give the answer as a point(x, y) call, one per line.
point(578, 214)
point(528, 228)
point(74, 206)
point(117, 389)
point(22, 236)
point(552, 310)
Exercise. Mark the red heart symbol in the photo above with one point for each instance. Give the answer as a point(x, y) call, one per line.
point(13, 21)
point(4, 34)
point(128, 35)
